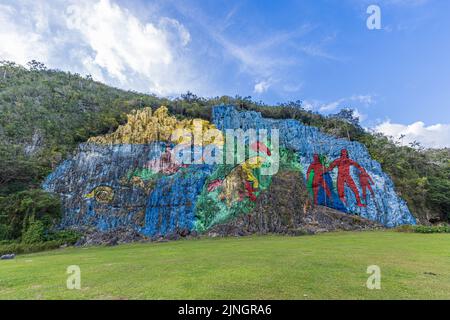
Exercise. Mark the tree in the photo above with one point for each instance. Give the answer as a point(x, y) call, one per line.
point(297, 104)
point(34, 65)
point(348, 115)
point(189, 97)
point(20, 209)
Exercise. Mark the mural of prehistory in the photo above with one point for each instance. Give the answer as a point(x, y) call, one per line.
point(339, 173)
point(132, 178)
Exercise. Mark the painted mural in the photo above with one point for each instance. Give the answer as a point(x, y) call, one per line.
point(356, 184)
point(319, 180)
point(132, 177)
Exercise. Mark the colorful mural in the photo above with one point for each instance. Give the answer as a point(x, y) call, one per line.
point(102, 194)
point(133, 177)
point(344, 178)
point(233, 190)
point(318, 170)
point(316, 178)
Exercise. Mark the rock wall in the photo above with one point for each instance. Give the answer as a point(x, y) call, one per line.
point(383, 205)
point(95, 189)
point(129, 179)
point(292, 213)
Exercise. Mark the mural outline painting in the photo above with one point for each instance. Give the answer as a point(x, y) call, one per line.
point(317, 171)
point(343, 164)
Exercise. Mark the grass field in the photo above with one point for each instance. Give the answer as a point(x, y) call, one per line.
point(326, 266)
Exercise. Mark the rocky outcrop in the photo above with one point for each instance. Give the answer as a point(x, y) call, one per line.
point(171, 205)
point(96, 187)
point(146, 126)
point(123, 235)
point(383, 206)
point(292, 213)
point(111, 237)
point(129, 180)
point(8, 256)
point(105, 187)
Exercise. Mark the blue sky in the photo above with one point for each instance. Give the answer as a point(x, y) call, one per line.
point(318, 51)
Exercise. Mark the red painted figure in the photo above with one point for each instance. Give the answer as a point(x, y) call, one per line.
point(318, 180)
point(260, 146)
point(365, 180)
point(343, 164)
point(250, 191)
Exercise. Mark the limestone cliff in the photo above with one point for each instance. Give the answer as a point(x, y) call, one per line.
point(129, 178)
point(145, 126)
point(382, 205)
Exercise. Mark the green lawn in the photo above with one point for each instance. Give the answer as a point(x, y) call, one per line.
point(326, 266)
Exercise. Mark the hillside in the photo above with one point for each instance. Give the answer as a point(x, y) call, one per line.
point(45, 114)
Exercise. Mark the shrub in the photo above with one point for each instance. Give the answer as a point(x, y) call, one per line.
point(5, 232)
point(5, 242)
point(34, 233)
point(69, 237)
point(432, 229)
point(34, 240)
point(19, 248)
point(18, 209)
point(405, 228)
point(424, 229)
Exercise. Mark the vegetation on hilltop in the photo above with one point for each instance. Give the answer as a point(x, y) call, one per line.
point(45, 114)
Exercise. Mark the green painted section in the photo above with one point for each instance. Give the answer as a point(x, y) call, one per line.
point(212, 210)
point(309, 184)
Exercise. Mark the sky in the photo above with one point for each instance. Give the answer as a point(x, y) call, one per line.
point(322, 52)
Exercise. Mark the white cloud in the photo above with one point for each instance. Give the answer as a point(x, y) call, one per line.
point(309, 105)
point(258, 59)
point(22, 42)
point(293, 87)
point(262, 86)
point(103, 39)
point(361, 116)
point(434, 136)
point(266, 54)
point(119, 43)
point(349, 102)
point(364, 99)
point(331, 106)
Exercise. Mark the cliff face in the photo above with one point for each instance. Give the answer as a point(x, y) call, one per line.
point(278, 211)
point(130, 179)
point(95, 189)
point(383, 205)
